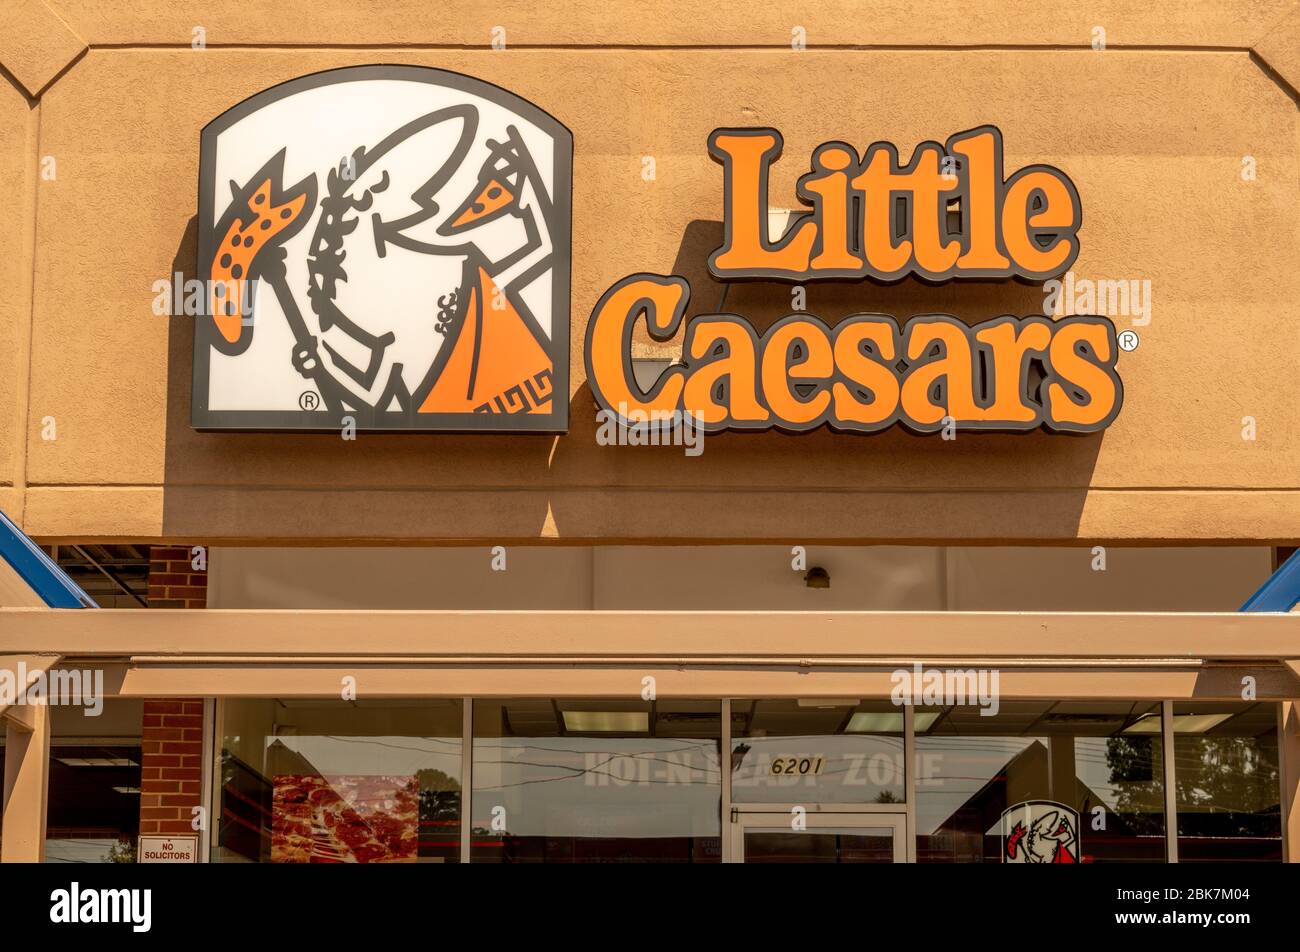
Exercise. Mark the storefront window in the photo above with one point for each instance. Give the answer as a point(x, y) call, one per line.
point(1065, 781)
point(816, 751)
point(93, 790)
point(596, 781)
point(306, 781)
point(93, 813)
point(606, 780)
point(1226, 773)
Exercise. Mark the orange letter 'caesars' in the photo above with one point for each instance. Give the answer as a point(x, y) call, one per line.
point(862, 375)
point(609, 343)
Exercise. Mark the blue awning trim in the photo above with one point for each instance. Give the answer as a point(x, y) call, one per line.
point(1281, 592)
point(38, 570)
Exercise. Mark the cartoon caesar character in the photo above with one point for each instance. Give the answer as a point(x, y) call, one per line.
point(1049, 839)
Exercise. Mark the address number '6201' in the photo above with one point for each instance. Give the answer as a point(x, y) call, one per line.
point(797, 766)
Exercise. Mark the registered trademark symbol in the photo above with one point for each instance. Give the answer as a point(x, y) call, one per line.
point(308, 400)
point(1128, 341)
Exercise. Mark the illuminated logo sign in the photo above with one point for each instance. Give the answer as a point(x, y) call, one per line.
point(386, 245)
point(871, 218)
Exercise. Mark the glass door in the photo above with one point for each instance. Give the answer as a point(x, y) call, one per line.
point(821, 838)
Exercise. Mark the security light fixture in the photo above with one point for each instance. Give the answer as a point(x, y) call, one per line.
point(738, 755)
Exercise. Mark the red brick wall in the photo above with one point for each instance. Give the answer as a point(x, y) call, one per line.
point(172, 582)
point(171, 768)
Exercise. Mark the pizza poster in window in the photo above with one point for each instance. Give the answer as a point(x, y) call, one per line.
point(344, 819)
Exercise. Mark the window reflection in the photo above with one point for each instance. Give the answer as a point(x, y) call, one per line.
point(605, 780)
point(1227, 782)
point(308, 781)
point(93, 807)
point(848, 845)
point(816, 751)
point(1101, 760)
point(590, 781)
point(93, 789)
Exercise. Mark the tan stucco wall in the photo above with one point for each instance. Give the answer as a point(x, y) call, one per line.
point(741, 577)
point(17, 124)
point(1152, 130)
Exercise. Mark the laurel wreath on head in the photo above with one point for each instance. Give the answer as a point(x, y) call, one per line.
point(339, 219)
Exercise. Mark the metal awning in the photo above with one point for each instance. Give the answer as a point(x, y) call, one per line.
point(1281, 591)
point(257, 653)
point(30, 577)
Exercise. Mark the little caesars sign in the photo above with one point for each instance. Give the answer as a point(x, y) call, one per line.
point(871, 217)
point(407, 268)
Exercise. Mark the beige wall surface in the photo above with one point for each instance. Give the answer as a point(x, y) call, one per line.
point(1153, 130)
point(738, 577)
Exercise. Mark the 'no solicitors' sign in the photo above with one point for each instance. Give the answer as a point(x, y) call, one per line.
point(168, 849)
